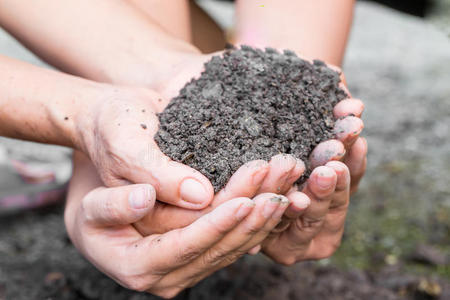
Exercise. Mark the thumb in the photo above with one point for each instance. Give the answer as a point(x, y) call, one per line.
point(118, 205)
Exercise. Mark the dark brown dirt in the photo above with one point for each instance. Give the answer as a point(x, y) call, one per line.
point(249, 104)
point(37, 261)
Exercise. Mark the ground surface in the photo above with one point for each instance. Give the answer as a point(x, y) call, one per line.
point(247, 105)
point(398, 231)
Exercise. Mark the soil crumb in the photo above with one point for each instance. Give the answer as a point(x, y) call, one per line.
point(250, 104)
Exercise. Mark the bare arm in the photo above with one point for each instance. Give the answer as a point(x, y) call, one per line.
point(41, 105)
point(109, 41)
point(315, 29)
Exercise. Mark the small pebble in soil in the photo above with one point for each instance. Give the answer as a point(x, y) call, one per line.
point(250, 104)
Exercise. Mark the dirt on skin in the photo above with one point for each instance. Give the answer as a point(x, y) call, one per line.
point(250, 104)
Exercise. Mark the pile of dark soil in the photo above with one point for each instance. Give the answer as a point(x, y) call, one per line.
point(249, 104)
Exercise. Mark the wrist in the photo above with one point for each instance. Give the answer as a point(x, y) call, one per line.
point(82, 119)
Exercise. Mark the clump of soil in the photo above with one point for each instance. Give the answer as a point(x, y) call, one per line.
point(249, 104)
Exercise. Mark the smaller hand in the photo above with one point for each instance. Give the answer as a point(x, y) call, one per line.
point(347, 112)
point(165, 264)
point(313, 224)
point(251, 179)
point(347, 129)
point(255, 176)
point(117, 134)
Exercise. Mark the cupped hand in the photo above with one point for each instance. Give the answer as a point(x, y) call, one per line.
point(313, 225)
point(281, 172)
point(327, 191)
point(117, 132)
point(347, 112)
point(99, 224)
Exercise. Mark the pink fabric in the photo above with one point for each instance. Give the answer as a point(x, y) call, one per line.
point(22, 201)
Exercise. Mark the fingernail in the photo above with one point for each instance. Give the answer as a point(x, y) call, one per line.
point(276, 199)
point(325, 179)
point(139, 198)
point(192, 191)
point(281, 209)
point(245, 209)
point(336, 166)
point(304, 203)
point(270, 206)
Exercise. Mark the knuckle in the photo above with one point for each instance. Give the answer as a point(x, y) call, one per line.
point(308, 224)
point(111, 210)
point(231, 258)
point(213, 256)
point(214, 228)
point(251, 229)
point(186, 252)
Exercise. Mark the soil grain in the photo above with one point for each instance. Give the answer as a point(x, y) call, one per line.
point(249, 104)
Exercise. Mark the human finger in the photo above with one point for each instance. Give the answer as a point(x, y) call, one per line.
point(119, 205)
point(356, 161)
point(326, 151)
point(280, 169)
point(347, 130)
point(348, 107)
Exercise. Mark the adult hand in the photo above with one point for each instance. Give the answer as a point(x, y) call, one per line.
point(117, 131)
point(314, 231)
point(313, 224)
point(248, 181)
point(347, 129)
point(163, 264)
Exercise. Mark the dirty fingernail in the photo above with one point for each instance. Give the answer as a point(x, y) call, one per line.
point(139, 198)
point(325, 178)
point(276, 199)
point(270, 206)
point(193, 191)
point(280, 211)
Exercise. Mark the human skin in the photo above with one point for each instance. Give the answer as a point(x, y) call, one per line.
point(99, 224)
point(109, 57)
point(114, 126)
point(317, 29)
point(124, 45)
point(320, 32)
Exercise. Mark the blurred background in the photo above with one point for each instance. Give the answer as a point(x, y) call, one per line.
point(397, 240)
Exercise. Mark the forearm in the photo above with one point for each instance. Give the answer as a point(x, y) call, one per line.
point(103, 40)
point(315, 29)
point(41, 105)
